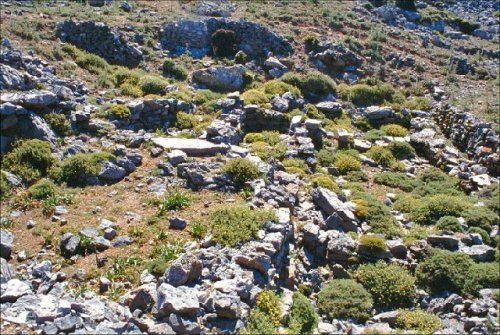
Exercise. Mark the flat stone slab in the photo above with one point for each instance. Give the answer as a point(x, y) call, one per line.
point(191, 146)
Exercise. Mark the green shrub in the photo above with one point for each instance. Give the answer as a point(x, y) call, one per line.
point(271, 137)
point(173, 201)
point(434, 181)
point(42, 190)
point(235, 223)
point(241, 58)
point(417, 232)
point(92, 63)
point(346, 163)
point(395, 179)
point(449, 223)
point(259, 323)
point(374, 135)
point(481, 276)
point(394, 130)
point(206, 96)
point(480, 217)
point(176, 71)
point(223, 42)
point(268, 302)
point(5, 187)
point(58, 123)
point(277, 86)
point(121, 112)
point(326, 182)
point(365, 95)
point(131, 90)
point(241, 170)
point(418, 320)
point(255, 97)
point(29, 159)
point(434, 207)
point(356, 176)
point(444, 270)
point(401, 150)
point(124, 75)
point(418, 103)
point(296, 162)
point(381, 156)
point(185, 120)
point(390, 285)
point(345, 298)
point(152, 85)
point(373, 244)
point(484, 234)
point(325, 157)
point(303, 318)
point(313, 85)
point(76, 169)
point(311, 42)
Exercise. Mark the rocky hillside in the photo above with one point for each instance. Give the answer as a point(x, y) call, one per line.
point(270, 167)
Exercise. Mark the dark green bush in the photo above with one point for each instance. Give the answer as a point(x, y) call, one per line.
point(325, 157)
point(241, 170)
point(449, 223)
point(401, 150)
point(223, 43)
point(313, 85)
point(29, 159)
point(152, 85)
point(480, 217)
point(480, 276)
point(435, 207)
point(42, 190)
point(381, 156)
point(76, 169)
point(119, 112)
point(356, 176)
point(444, 270)
point(259, 323)
point(174, 70)
point(365, 95)
point(303, 318)
point(235, 223)
point(58, 123)
point(484, 234)
point(395, 179)
point(435, 181)
point(92, 63)
point(419, 321)
point(311, 42)
point(390, 285)
point(374, 135)
point(5, 187)
point(374, 244)
point(345, 298)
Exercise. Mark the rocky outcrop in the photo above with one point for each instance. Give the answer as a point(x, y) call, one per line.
point(100, 39)
point(221, 78)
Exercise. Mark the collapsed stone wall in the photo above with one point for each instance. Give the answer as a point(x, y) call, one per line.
point(100, 39)
point(471, 135)
point(257, 119)
point(254, 39)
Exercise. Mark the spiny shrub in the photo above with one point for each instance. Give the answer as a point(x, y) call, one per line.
point(325, 157)
point(152, 85)
point(356, 176)
point(346, 163)
point(394, 130)
point(480, 276)
point(374, 135)
point(185, 120)
point(29, 159)
point(174, 70)
point(296, 162)
point(76, 169)
point(223, 43)
point(361, 210)
point(58, 123)
point(395, 179)
point(277, 86)
point(303, 318)
point(5, 187)
point(373, 244)
point(311, 42)
point(434, 181)
point(131, 90)
point(444, 270)
point(401, 150)
point(418, 103)
point(381, 156)
point(255, 97)
point(390, 285)
point(268, 302)
point(205, 96)
point(449, 223)
point(326, 182)
point(365, 95)
point(271, 137)
point(241, 170)
point(253, 137)
point(481, 217)
point(313, 85)
point(259, 323)
point(121, 112)
point(123, 75)
point(419, 321)
point(345, 298)
point(42, 190)
point(235, 223)
point(92, 63)
point(435, 207)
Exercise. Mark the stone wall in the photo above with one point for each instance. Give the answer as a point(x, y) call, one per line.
point(257, 119)
point(471, 135)
point(253, 38)
point(100, 39)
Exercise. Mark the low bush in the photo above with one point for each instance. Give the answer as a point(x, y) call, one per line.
point(58, 123)
point(325, 157)
point(346, 163)
point(121, 112)
point(356, 176)
point(311, 42)
point(313, 85)
point(259, 323)
point(241, 170)
point(131, 90)
point(123, 75)
point(303, 318)
point(5, 186)
point(390, 285)
point(296, 162)
point(432, 208)
point(365, 95)
point(345, 298)
point(253, 137)
point(395, 179)
point(480, 217)
point(205, 96)
point(235, 223)
point(223, 43)
point(75, 170)
point(374, 135)
point(401, 150)
point(92, 63)
point(152, 85)
point(173, 201)
point(434, 181)
point(419, 321)
point(174, 70)
point(185, 120)
point(394, 130)
point(271, 137)
point(29, 159)
point(483, 233)
point(481, 276)
point(444, 270)
point(42, 190)
point(268, 302)
point(277, 86)
point(361, 210)
point(326, 182)
point(374, 244)
point(255, 97)
point(417, 232)
point(418, 103)
point(449, 223)
point(381, 156)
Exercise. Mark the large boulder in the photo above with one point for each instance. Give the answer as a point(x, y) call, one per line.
point(142, 298)
point(191, 146)
point(13, 290)
point(377, 113)
point(179, 300)
point(221, 78)
point(331, 204)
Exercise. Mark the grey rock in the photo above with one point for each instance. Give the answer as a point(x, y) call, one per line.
point(176, 157)
point(177, 223)
point(6, 240)
point(111, 172)
point(377, 113)
point(192, 147)
point(182, 271)
point(447, 242)
point(6, 271)
point(142, 298)
point(69, 244)
point(13, 290)
point(184, 325)
point(480, 253)
point(122, 241)
point(224, 78)
point(179, 300)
